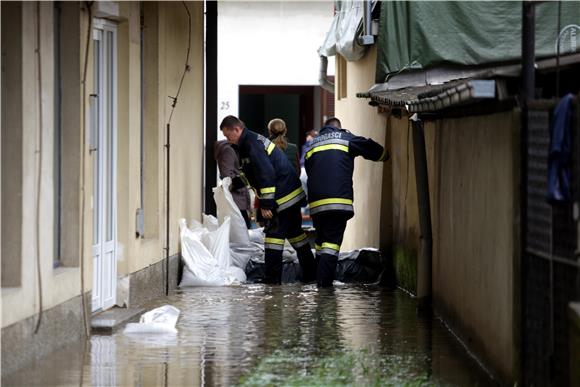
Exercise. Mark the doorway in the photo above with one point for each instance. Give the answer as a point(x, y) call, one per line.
point(104, 164)
point(294, 104)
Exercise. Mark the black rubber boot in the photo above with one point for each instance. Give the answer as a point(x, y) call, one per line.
point(273, 260)
point(307, 264)
point(326, 270)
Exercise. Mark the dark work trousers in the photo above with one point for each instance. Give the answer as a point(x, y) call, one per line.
point(287, 224)
point(330, 227)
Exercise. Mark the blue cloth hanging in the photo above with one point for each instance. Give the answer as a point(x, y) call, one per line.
point(560, 157)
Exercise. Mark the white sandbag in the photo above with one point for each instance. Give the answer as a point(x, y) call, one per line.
point(210, 222)
point(236, 275)
point(158, 320)
point(227, 207)
point(228, 277)
point(206, 256)
point(197, 258)
point(242, 253)
point(218, 243)
point(256, 235)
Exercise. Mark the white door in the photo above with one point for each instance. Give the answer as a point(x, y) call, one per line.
point(104, 158)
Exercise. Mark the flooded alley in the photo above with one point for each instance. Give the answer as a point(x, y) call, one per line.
point(272, 335)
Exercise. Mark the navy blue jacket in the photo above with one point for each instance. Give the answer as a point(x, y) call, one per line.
point(330, 164)
point(268, 170)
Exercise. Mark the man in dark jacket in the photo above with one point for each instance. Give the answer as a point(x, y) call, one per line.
point(281, 195)
point(329, 165)
point(229, 166)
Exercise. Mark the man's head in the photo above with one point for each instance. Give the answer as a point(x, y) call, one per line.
point(232, 128)
point(333, 121)
point(311, 134)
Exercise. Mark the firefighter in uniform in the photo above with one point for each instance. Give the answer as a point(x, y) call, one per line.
point(329, 165)
point(281, 195)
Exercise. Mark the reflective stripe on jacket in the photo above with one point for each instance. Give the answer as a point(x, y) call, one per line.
point(329, 164)
point(269, 172)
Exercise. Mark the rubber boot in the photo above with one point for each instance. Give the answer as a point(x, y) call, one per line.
point(326, 270)
point(307, 264)
point(273, 259)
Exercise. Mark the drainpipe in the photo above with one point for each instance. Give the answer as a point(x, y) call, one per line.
point(528, 51)
point(167, 202)
point(211, 104)
point(527, 95)
point(323, 76)
point(426, 247)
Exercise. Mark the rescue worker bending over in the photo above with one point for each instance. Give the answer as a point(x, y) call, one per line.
point(329, 165)
point(281, 196)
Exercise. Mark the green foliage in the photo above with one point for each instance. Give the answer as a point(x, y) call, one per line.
point(352, 368)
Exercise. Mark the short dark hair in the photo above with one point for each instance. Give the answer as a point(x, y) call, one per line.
point(333, 121)
point(231, 121)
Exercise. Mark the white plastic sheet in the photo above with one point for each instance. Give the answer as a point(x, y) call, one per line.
point(207, 257)
point(227, 207)
point(343, 33)
point(158, 320)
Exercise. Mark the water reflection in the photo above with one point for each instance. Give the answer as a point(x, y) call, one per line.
point(258, 334)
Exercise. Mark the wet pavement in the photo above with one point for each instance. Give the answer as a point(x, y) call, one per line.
point(254, 335)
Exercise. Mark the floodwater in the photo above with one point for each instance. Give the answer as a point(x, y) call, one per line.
point(252, 335)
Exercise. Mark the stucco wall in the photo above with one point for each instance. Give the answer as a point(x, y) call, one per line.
point(63, 283)
point(357, 116)
point(187, 131)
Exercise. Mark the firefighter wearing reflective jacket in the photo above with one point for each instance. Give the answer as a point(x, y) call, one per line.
point(281, 195)
point(329, 164)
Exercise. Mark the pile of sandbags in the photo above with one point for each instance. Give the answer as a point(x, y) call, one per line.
point(222, 251)
point(205, 247)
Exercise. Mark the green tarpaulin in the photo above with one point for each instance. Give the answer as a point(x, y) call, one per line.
point(421, 35)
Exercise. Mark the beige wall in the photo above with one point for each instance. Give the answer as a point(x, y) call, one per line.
point(166, 47)
point(405, 214)
point(475, 243)
point(61, 284)
point(357, 116)
point(187, 132)
point(473, 209)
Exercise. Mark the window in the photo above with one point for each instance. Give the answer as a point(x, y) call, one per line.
point(151, 124)
point(11, 144)
point(67, 52)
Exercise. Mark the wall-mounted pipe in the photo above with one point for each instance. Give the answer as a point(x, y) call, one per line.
point(323, 76)
point(527, 95)
point(211, 104)
point(424, 260)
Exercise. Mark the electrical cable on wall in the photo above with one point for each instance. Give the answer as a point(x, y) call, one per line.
point(186, 68)
point(83, 120)
point(167, 146)
point(38, 167)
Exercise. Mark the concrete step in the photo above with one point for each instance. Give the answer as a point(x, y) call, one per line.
point(108, 321)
